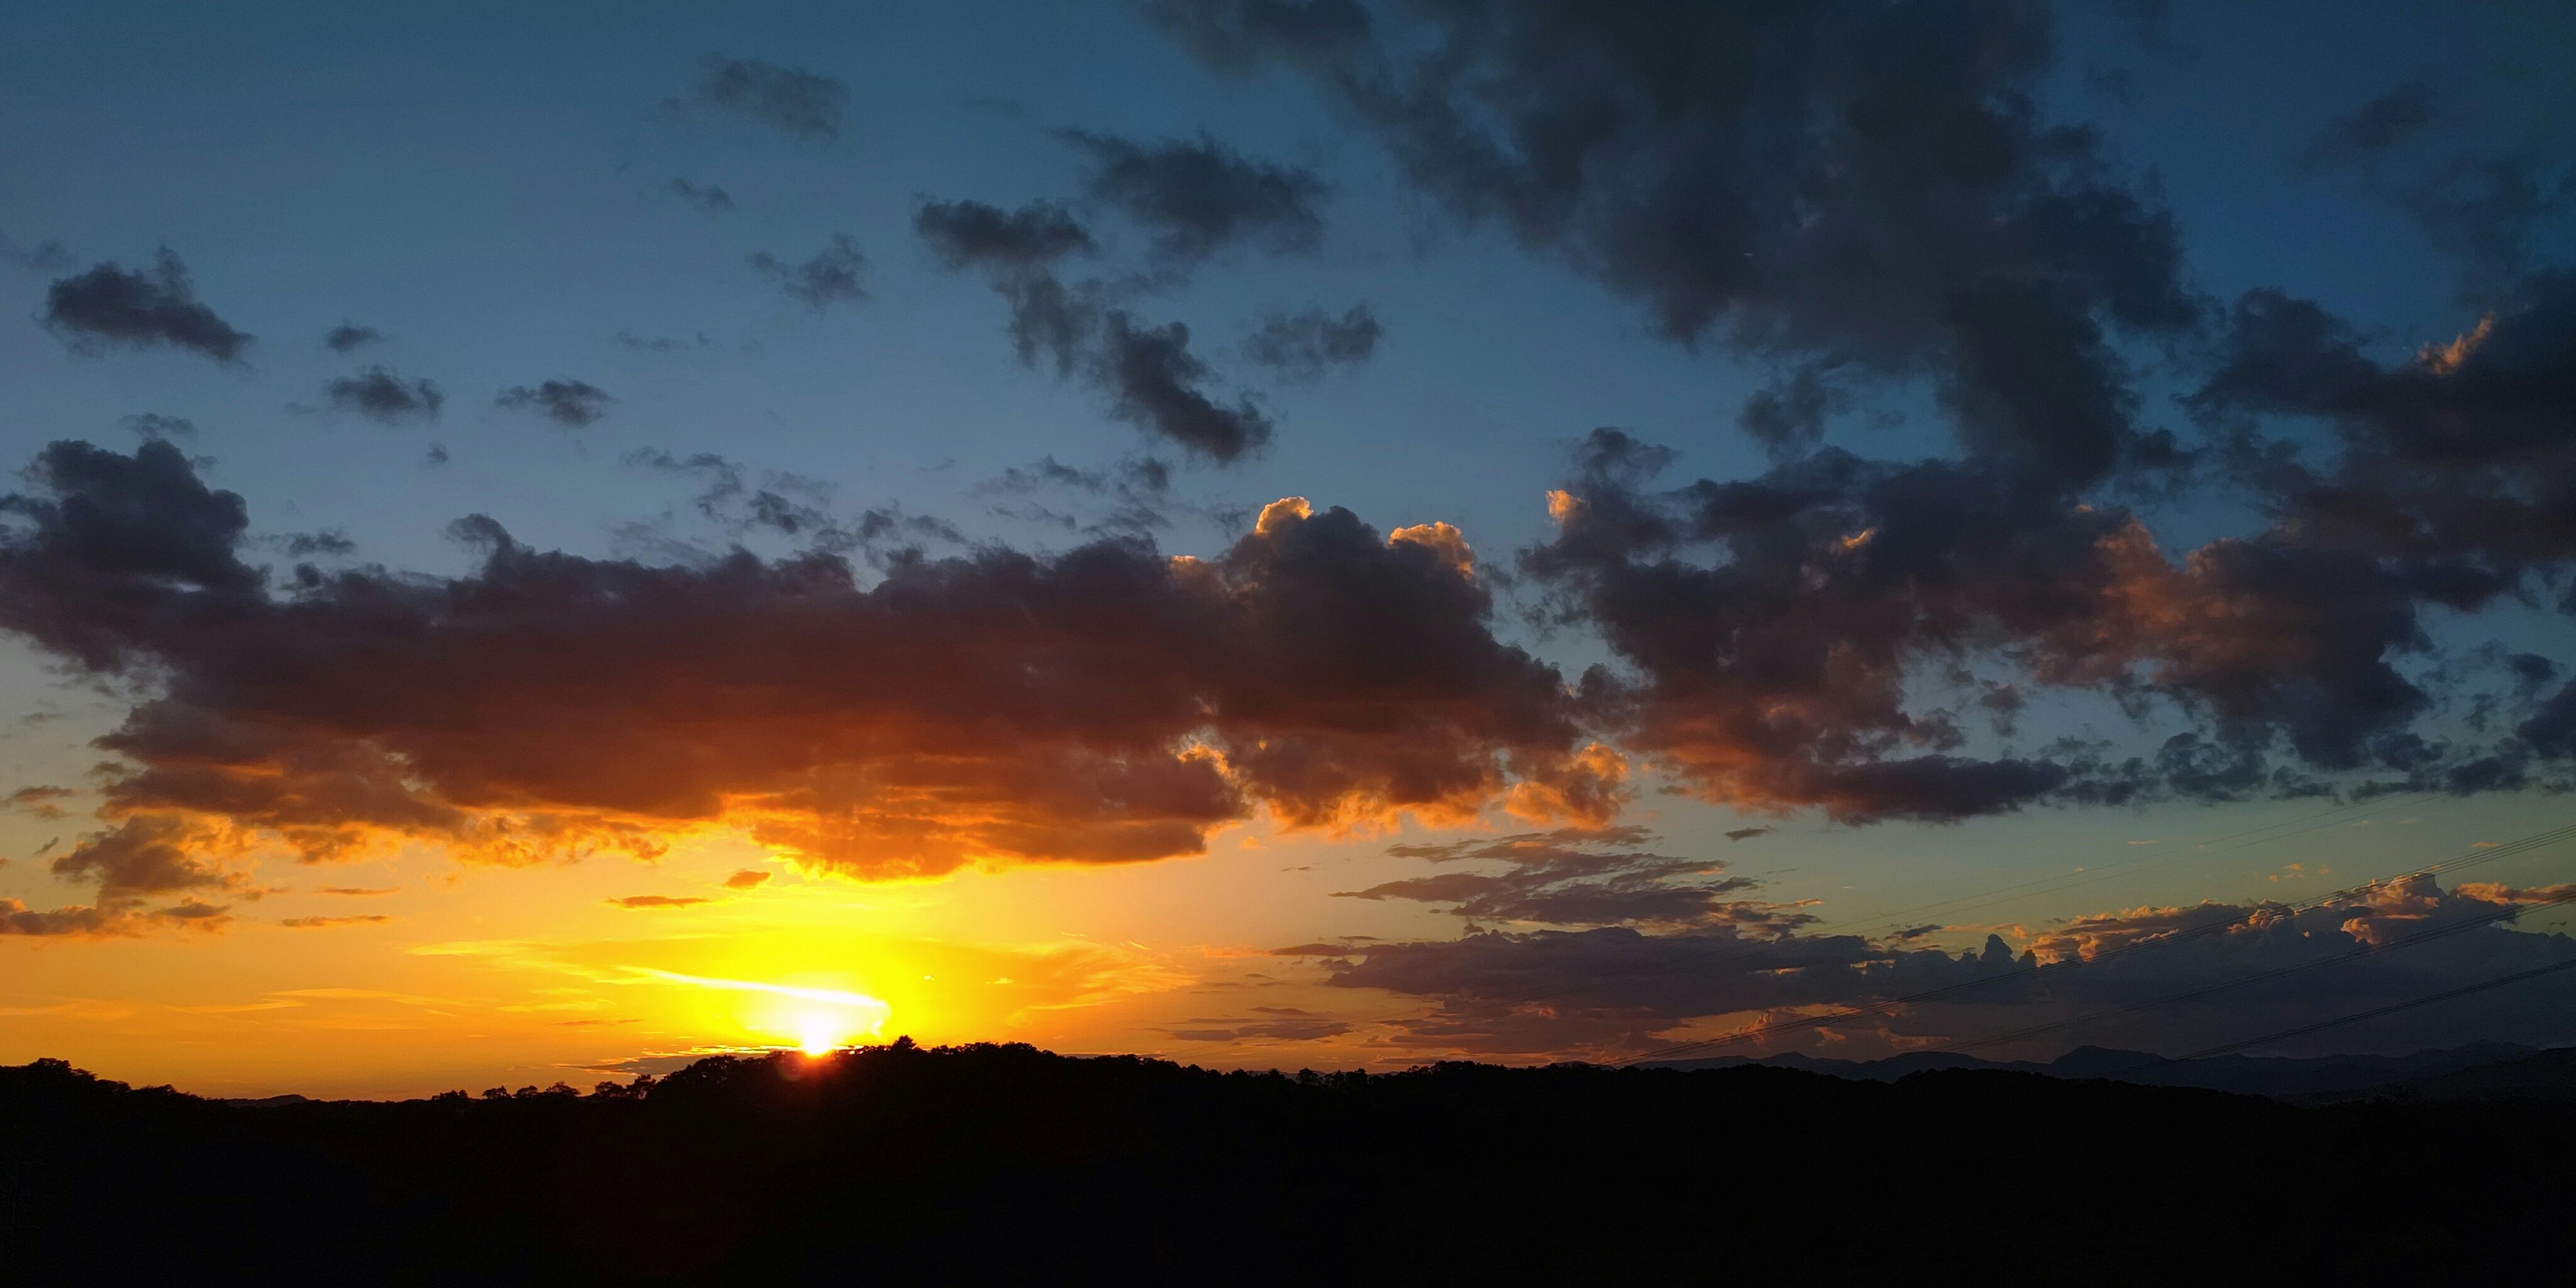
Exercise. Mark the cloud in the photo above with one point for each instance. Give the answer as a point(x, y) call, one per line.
point(379, 394)
point(661, 343)
point(706, 197)
point(1611, 991)
point(1575, 877)
point(1155, 384)
point(44, 800)
point(831, 277)
point(358, 891)
point(2374, 127)
point(971, 234)
point(1304, 345)
point(659, 901)
point(155, 425)
point(1152, 378)
point(802, 103)
point(747, 879)
point(348, 337)
point(112, 305)
point(1106, 704)
point(570, 403)
point(43, 257)
point(1201, 197)
point(325, 923)
point(1265, 1024)
point(1870, 193)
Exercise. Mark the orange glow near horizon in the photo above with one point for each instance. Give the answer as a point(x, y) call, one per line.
point(816, 1020)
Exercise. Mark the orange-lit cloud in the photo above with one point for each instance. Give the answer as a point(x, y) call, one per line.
point(1103, 706)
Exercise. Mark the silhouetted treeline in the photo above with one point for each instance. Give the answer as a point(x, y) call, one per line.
point(905, 1165)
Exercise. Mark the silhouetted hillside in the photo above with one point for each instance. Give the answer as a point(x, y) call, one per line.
point(2253, 1075)
point(901, 1165)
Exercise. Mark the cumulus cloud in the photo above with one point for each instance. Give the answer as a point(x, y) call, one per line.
point(1108, 704)
point(1305, 345)
point(379, 394)
point(570, 403)
point(804, 104)
point(833, 276)
point(111, 305)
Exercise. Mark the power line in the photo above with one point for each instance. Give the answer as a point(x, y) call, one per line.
point(2366, 951)
point(2357, 1017)
point(2206, 930)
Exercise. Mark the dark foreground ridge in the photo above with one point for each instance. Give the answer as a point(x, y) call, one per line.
point(899, 1164)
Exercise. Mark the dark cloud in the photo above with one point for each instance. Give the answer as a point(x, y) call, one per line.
point(1304, 345)
point(303, 545)
point(1201, 197)
point(112, 305)
point(832, 276)
point(1107, 704)
point(971, 234)
point(1152, 378)
point(2374, 127)
point(659, 901)
point(1748, 833)
point(1265, 1024)
point(1612, 990)
point(1155, 383)
point(802, 103)
point(144, 855)
point(152, 424)
point(349, 337)
point(16, 918)
point(747, 879)
point(789, 505)
point(706, 197)
point(379, 394)
point(570, 403)
point(43, 800)
point(2448, 479)
point(1580, 878)
point(1788, 670)
point(661, 343)
point(1842, 183)
point(1139, 490)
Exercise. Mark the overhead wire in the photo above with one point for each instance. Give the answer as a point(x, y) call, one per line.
point(2473, 858)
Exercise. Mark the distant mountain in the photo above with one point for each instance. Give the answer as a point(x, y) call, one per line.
point(2547, 1077)
point(2278, 1076)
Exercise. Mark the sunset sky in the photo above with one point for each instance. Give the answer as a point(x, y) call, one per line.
point(543, 542)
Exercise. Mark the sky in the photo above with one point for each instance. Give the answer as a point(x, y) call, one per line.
point(1280, 533)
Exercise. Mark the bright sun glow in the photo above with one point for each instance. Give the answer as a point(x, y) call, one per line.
point(817, 1020)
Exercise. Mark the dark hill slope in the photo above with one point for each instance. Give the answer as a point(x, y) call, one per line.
point(901, 1165)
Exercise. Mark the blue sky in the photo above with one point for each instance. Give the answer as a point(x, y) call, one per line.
point(491, 188)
